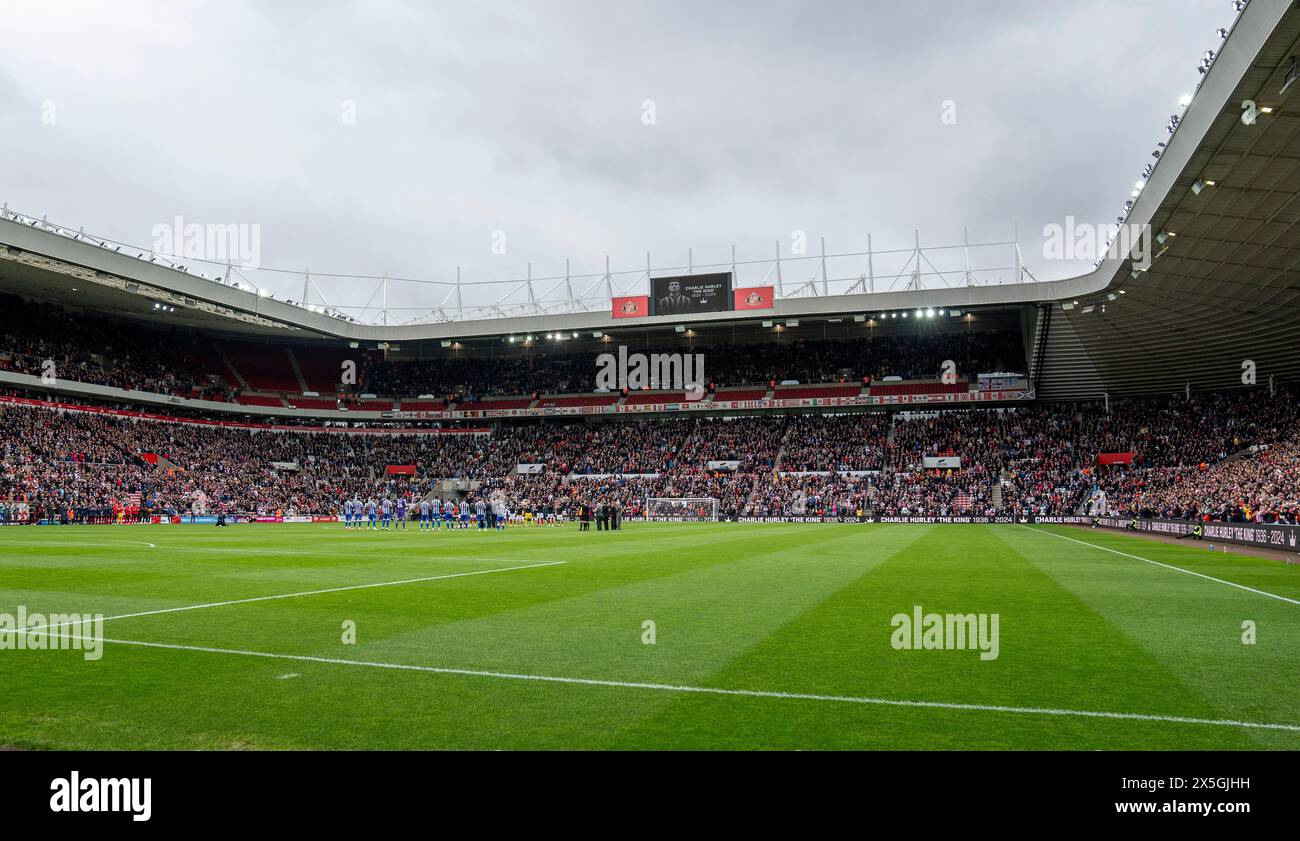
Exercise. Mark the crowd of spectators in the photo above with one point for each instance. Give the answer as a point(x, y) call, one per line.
point(92, 349)
point(47, 340)
point(1227, 456)
point(760, 363)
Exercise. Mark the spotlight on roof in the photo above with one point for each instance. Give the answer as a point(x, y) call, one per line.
point(511, 340)
point(929, 312)
point(1185, 100)
point(446, 342)
point(680, 328)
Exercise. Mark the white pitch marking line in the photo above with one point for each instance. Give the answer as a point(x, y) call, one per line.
point(315, 554)
point(1169, 566)
point(77, 543)
point(308, 593)
point(709, 690)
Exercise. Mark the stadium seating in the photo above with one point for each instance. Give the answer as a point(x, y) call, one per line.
point(910, 388)
point(94, 350)
point(816, 391)
point(1191, 457)
point(1236, 462)
point(640, 398)
point(556, 401)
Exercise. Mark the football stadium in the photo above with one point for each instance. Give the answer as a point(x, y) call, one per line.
point(922, 495)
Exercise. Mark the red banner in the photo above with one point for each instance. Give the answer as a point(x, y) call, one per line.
point(631, 306)
point(401, 470)
point(1115, 458)
point(754, 298)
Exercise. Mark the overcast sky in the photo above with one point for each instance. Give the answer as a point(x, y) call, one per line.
point(410, 138)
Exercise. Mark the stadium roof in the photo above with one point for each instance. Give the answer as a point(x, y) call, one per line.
point(1224, 287)
point(1221, 290)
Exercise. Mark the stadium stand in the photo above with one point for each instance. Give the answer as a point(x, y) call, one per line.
point(1238, 463)
point(94, 350)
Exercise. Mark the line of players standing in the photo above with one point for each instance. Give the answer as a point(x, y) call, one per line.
point(431, 513)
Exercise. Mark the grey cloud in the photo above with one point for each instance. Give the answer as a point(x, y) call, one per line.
point(771, 117)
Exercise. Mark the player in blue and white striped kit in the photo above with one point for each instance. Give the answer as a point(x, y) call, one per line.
point(347, 513)
point(435, 513)
point(424, 514)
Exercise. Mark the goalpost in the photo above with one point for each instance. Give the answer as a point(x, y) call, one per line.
point(681, 508)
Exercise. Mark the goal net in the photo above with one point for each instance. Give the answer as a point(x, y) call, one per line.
point(681, 508)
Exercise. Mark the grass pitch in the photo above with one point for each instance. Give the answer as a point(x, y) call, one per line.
point(765, 636)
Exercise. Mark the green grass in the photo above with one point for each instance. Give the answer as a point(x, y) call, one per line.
point(802, 609)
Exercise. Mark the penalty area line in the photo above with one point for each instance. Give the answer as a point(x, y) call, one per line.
point(1167, 566)
point(710, 690)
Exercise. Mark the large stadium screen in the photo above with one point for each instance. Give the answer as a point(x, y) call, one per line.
point(687, 294)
